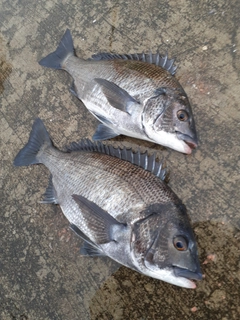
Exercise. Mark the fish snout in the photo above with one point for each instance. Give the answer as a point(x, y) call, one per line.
point(185, 273)
point(191, 141)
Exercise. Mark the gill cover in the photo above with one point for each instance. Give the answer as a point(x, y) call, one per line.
point(169, 111)
point(154, 244)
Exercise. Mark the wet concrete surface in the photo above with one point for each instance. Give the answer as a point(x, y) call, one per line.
point(42, 274)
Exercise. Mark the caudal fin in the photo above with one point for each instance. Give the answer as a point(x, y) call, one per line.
point(39, 138)
point(65, 49)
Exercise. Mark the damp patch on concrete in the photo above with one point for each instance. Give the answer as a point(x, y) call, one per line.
point(5, 66)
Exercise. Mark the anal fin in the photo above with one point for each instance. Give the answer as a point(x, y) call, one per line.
point(50, 195)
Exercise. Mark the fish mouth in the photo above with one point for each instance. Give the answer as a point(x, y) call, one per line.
point(180, 272)
point(191, 142)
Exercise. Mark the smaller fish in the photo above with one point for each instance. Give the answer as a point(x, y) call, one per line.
point(118, 203)
point(136, 95)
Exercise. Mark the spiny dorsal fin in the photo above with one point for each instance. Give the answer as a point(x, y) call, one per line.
point(153, 58)
point(89, 248)
point(142, 160)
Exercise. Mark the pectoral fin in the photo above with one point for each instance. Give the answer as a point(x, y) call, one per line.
point(89, 248)
point(117, 97)
point(103, 225)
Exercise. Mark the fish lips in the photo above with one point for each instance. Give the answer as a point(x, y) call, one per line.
point(185, 273)
point(192, 142)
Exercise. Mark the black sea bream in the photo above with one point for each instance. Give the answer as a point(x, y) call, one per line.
point(132, 94)
point(118, 202)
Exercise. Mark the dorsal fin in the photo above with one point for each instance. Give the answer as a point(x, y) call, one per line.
point(142, 160)
point(156, 58)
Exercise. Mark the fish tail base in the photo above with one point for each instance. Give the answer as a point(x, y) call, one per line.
point(39, 139)
point(55, 60)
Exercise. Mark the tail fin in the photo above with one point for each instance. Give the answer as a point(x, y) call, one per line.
point(65, 49)
point(38, 139)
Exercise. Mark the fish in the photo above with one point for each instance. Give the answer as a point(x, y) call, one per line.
point(118, 202)
point(135, 95)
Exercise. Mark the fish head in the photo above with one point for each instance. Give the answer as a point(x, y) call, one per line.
point(167, 119)
point(163, 245)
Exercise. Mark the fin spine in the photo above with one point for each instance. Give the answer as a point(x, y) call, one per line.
point(142, 160)
point(153, 58)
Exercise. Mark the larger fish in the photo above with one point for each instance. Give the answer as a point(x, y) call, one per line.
point(122, 209)
point(134, 94)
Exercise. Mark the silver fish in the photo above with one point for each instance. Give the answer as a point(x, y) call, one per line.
point(118, 202)
point(132, 94)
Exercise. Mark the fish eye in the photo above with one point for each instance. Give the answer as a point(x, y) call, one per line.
point(180, 243)
point(182, 115)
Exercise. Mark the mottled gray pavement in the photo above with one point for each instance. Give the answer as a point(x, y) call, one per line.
point(42, 275)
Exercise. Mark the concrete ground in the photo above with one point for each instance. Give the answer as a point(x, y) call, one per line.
point(42, 275)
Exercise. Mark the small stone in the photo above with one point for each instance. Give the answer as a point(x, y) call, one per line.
point(210, 258)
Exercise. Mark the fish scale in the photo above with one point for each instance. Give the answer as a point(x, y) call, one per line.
point(118, 176)
point(122, 209)
point(85, 171)
point(130, 95)
point(148, 76)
